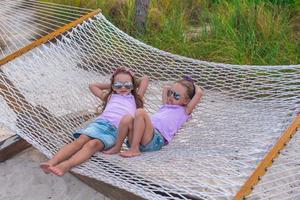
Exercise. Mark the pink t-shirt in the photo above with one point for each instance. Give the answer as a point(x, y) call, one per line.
point(168, 119)
point(118, 106)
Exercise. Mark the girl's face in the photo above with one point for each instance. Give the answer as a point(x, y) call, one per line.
point(177, 95)
point(122, 84)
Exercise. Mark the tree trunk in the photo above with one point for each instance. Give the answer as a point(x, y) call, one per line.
point(141, 12)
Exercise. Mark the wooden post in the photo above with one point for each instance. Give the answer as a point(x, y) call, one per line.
point(141, 12)
point(11, 146)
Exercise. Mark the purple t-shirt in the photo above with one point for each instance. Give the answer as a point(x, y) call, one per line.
point(118, 106)
point(168, 119)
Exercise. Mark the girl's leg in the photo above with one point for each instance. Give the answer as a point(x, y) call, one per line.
point(125, 127)
point(82, 155)
point(65, 152)
point(142, 133)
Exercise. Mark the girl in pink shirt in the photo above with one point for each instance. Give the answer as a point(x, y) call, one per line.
point(123, 98)
point(150, 133)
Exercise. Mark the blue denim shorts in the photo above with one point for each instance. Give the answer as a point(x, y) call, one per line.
point(102, 130)
point(155, 144)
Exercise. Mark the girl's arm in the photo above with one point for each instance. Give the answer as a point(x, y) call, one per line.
point(166, 88)
point(98, 89)
point(195, 100)
point(143, 85)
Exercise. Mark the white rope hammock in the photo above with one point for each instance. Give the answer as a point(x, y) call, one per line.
point(244, 111)
point(282, 180)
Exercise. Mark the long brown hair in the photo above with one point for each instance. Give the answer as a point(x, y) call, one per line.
point(123, 70)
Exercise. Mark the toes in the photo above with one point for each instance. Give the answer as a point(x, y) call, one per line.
point(56, 171)
point(45, 167)
point(128, 154)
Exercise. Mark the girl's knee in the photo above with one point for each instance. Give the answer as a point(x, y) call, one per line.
point(127, 119)
point(94, 144)
point(140, 112)
point(82, 139)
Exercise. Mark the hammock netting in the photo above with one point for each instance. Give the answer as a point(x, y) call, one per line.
point(277, 184)
point(245, 109)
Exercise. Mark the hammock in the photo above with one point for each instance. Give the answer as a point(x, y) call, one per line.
point(45, 97)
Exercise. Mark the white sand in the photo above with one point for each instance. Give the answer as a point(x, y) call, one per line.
point(22, 179)
point(5, 132)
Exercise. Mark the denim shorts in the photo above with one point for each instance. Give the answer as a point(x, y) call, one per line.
point(155, 144)
point(102, 130)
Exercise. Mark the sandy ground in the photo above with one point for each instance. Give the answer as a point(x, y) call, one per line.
point(22, 179)
point(4, 132)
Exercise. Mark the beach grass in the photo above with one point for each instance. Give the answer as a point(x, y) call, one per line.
point(252, 32)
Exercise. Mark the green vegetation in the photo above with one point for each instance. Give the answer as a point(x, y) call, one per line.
point(256, 32)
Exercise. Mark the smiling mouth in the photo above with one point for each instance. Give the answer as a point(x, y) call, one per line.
point(123, 92)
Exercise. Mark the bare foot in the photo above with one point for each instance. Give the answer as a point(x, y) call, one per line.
point(112, 150)
point(60, 169)
point(130, 153)
point(45, 167)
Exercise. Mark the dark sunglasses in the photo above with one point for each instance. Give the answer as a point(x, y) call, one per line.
point(176, 95)
point(118, 85)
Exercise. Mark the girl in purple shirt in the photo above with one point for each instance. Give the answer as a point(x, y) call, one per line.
point(123, 98)
point(150, 133)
